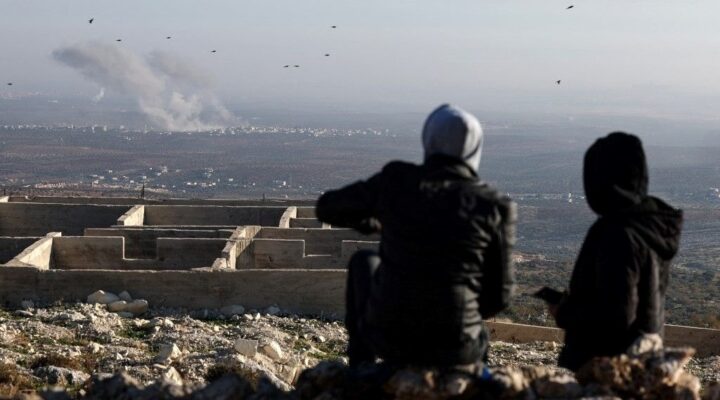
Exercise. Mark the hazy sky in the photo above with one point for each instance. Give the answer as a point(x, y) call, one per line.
point(635, 57)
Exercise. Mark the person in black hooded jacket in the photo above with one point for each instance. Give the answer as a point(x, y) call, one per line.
point(618, 285)
point(444, 261)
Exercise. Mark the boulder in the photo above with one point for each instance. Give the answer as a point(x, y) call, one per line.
point(137, 307)
point(273, 350)
point(117, 306)
point(124, 295)
point(102, 297)
point(61, 376)
point(167, 353)
point(246, 347)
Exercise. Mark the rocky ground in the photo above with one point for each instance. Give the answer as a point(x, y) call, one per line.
point(64, 345)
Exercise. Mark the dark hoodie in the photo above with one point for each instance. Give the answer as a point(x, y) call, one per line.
point(617, 290)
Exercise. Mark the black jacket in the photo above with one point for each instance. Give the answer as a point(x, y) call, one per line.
point(617, 290)
point(445, 248)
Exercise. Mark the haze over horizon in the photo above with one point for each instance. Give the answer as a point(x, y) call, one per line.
point(637, 58)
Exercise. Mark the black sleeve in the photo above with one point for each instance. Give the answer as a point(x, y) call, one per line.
point(353, 206)
point(498, 279)
point(616, 271)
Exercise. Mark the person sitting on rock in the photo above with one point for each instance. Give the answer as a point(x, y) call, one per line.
point(618, 284)
point(444, 260)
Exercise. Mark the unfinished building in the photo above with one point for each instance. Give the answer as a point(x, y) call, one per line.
point(198, 254)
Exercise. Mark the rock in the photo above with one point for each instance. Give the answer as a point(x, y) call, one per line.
point(557, 387)
point(27, 305)
point(232, 310)
point(95, 348)
point(228, 387)
point(102, 297)
point(125, 314)
point(23, 313)
point(117, 306)
point(320, 339)
point(171, 376)
point(647, 343)
point(273, 350)
point(246, 347)
point(137, 307)
point(272, 310)
point(61, 376)
point(124, 295)
point(158, 322)
point(168, 352)
point(289, 372)
point(248, 317)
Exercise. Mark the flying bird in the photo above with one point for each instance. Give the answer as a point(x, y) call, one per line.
point(285, 66)
point(213, 51)
point(9, 83)
point(558, 81)
point(327, 54)
point(334, 26)
point(169, 37)
point(90, 21)
point(296, 66)
point(570, 6)
point(118, 40)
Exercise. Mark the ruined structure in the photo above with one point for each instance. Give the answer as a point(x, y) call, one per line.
point(200, 254)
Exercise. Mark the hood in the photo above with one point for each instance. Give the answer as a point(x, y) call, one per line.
point(658, 224)
point(453, 132)
point(615, 173)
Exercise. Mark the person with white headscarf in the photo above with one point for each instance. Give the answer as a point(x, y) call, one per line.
point(444, 261)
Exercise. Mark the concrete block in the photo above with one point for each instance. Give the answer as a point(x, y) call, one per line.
point(287, 216)
point(134, 217)
point(37, 255)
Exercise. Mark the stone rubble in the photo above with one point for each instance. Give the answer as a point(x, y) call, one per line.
point(308, 356)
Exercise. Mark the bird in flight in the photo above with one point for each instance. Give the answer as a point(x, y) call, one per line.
point(90, 21)
point(9, 83)
point(118, 40)
point(327, 54)
point(286, 66)
point(213, 51)
point(296, 66)
point(558, 81)
point(169, 37)
point(570, 6)
point(334, 26)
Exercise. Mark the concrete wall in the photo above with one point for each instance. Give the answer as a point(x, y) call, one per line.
point(141, 242)
point(213, 215)
point(12, 246)
point(289, 214)
point(287, 254)
point(99, 252)
point(134, 217)
point(705, 341)
point(31, 219)
point(38, 254)
point(317, 292)
point(4, 199)
point(130, 201)
point(317, 241)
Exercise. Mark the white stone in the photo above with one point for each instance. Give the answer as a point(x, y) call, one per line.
point(137, 307)
point(248, 317)
point(320, 338)
point(246, 347)
point(117, 306)
point(168, 352)
point(172, 376)
point(102, 297)
point(231, 310)
point(124, 295)
point(27, 305)
point(273, 350)
point(95, 348)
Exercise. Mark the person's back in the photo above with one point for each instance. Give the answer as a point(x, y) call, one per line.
point(618, 286)
point(445, 251)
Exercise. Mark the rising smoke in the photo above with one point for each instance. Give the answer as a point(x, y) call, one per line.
point(171, 93)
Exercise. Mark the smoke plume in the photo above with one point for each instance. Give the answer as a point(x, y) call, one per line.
point(171, 93)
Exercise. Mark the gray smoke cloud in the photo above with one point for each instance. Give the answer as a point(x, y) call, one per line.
point(170, 92)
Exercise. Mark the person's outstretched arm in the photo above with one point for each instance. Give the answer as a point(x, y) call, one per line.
point(498, 279)
point(352, 206)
